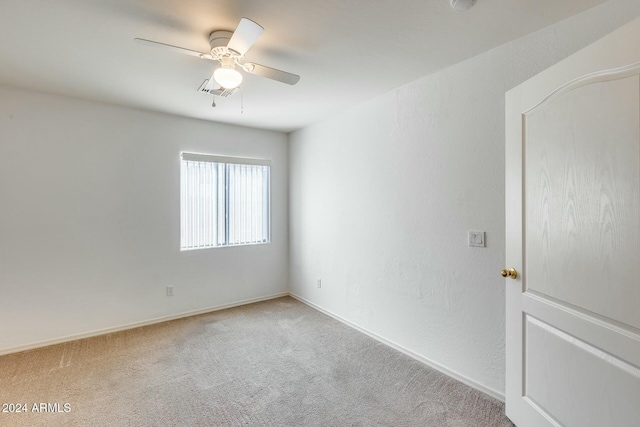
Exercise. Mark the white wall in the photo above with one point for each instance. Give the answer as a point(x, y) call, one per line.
point(90, 225)
point(382, 197)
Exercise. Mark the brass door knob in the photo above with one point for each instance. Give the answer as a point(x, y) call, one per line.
point(512, 273)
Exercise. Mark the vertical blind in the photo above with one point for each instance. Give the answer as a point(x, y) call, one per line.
point(223, 201)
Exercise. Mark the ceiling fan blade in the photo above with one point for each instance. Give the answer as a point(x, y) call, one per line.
point(244, 36)
point(173, 48)
point(271, 73)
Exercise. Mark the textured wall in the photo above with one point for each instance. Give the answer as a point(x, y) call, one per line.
point(382, 197)
point(90, 218)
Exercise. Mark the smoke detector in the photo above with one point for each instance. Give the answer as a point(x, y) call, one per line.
point(462, 5)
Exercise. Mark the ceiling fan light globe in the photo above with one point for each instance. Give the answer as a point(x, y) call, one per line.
point(228, 78)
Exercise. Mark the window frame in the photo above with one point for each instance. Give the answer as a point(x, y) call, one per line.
point(225, 161)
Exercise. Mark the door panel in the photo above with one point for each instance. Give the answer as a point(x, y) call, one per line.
point(570, 375)
point(582, 197)
point(600, 332)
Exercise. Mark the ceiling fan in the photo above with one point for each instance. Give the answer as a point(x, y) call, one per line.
point(229, 48)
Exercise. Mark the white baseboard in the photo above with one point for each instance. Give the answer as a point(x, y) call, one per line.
point(138, 324)
point(453, 374)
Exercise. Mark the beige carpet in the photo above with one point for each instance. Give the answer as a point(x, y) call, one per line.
point(275, 363)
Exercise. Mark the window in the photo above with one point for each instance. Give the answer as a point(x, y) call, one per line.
point(224, 201)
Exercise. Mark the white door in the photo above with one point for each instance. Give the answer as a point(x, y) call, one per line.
point(573, 236)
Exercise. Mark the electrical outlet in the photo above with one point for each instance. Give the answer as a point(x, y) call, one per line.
point(319, 283)
point(169, 291)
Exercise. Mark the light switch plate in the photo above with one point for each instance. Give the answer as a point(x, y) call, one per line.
point(476, 239)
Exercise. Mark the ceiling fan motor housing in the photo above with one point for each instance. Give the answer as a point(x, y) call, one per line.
point(218, 40)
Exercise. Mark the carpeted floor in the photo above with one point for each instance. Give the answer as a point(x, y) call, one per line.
point(275, 363)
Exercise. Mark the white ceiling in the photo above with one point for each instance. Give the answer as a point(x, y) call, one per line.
point(346, 51)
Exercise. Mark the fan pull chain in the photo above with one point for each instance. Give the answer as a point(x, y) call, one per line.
point(241, 100)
